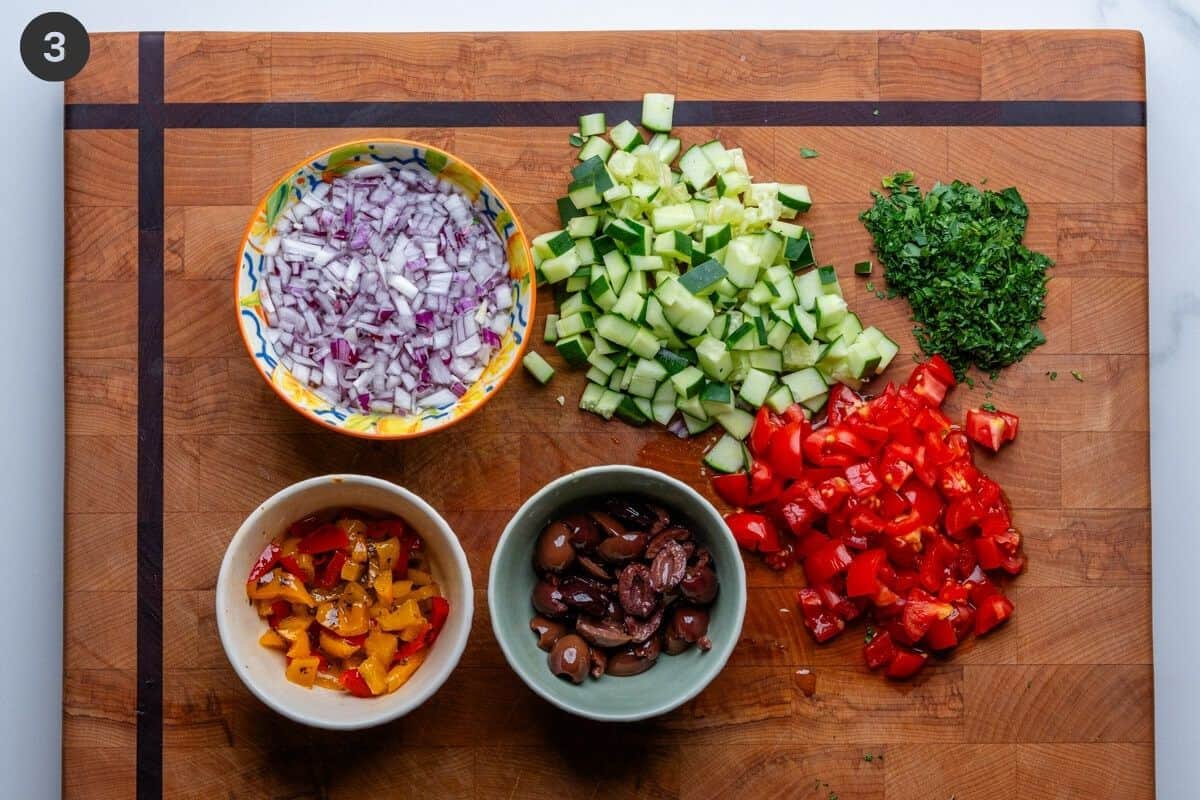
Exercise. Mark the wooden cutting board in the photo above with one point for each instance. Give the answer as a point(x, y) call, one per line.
point(172, 438)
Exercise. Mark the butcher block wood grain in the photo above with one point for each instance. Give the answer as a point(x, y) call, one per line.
point(1057, 704)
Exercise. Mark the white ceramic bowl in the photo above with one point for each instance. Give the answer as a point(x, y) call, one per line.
point(262, 669)
point(674, 679)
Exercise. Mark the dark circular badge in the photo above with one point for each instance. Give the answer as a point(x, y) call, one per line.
point(55, 46)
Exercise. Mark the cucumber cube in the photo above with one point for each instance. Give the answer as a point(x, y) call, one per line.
point(756, 386)
point(625, 135)
point(592, 124)
point(702, 279)
point(658, 111)
point(537, 367)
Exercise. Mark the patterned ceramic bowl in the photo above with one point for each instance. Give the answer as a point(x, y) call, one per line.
point(251, 263)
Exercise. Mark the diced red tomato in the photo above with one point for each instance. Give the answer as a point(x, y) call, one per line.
point(842, 402)
point(862, 578)
point(1011, 423)
point(786, 451)
point(794, 413)
point(926, 386)
point(862, 479)
point(753, 531)
point(733, 489)
point(765, 426)
point(941, 370)
point(992, 612)
point(905, 663)
point(883, 507)
point(880, 651)
point(987, 428)
point(832, 559)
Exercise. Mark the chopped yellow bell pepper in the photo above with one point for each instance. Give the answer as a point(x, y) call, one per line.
point(303, 671)
point(293, 591)
point(265, 588)
point(387, 551)
point(375, 674)
point(405, 615)
point(381, 646)
point(400, 590)
point(326, 681)
point(301, 647)
point(419, 577)
point(351, 570)
point(358, 550)
point(271, 639)
point(289, 546)
point(356, 594)
point(352, 527)
point(383, 587)
point(424, 593)
point(398, 675)
point(336, 646)
point(413, 631)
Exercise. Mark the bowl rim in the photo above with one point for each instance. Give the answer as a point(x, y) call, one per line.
point(520, 347)
point(436, 679)
point(656, 709)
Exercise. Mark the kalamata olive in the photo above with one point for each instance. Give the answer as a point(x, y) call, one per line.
point(593, 568)
point(548, 599)
point(571, 658)
point(659, 540)
point(623, 547)
point(630, 512)
point(667, 569)
point(599, 662)
point(689, 623)
point(602, 633)
point(549, 631)
point(607, 524)
point(584, 533)
point(662, 518)
point(585, 595)
point(635, 591)
point(554, 551)
point(699, 584)
point(633, 660)
point(674, 644)
point(641, 630)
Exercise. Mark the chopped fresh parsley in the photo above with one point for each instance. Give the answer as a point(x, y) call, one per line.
point(989, 407)
point(1077, 375)
point(869, 635)
point(808, 152)
point(955, 253)
point(868, 758)
point(1053, 375)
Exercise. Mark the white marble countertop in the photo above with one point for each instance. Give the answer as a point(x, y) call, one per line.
point(31, 436)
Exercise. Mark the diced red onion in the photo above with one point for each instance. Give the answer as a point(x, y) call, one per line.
point(385, 291)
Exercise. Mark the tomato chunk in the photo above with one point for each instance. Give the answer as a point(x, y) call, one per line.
point(905, 663)
point(733, 489)
point(753, 531)
point(992, 612)
point(831, 559)
point(987, 429)
point(862, 578)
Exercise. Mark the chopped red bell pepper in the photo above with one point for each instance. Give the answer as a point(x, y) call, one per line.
point(331, 573)
point(753, 531)
point(905, 663)
point(766, 425)
point(383, 528)
point(265, 563)
point(880, 651)
point(304, 526)
point(280, 610)
point(862, 479)
point(407, 649)
point(992, 612)
point(293, 566)
point(987, 428)
point(786, 453)
point(832, 559)
point(355, 683)
point(862, 578)
point(408, 544)
point(324, 539)
point(439, 611)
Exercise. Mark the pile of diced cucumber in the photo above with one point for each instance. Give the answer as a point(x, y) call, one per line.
point(685, 290)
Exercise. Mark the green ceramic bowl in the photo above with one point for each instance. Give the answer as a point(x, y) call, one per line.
point(674, 679)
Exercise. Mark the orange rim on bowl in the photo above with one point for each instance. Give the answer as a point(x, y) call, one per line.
point(251, 319)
